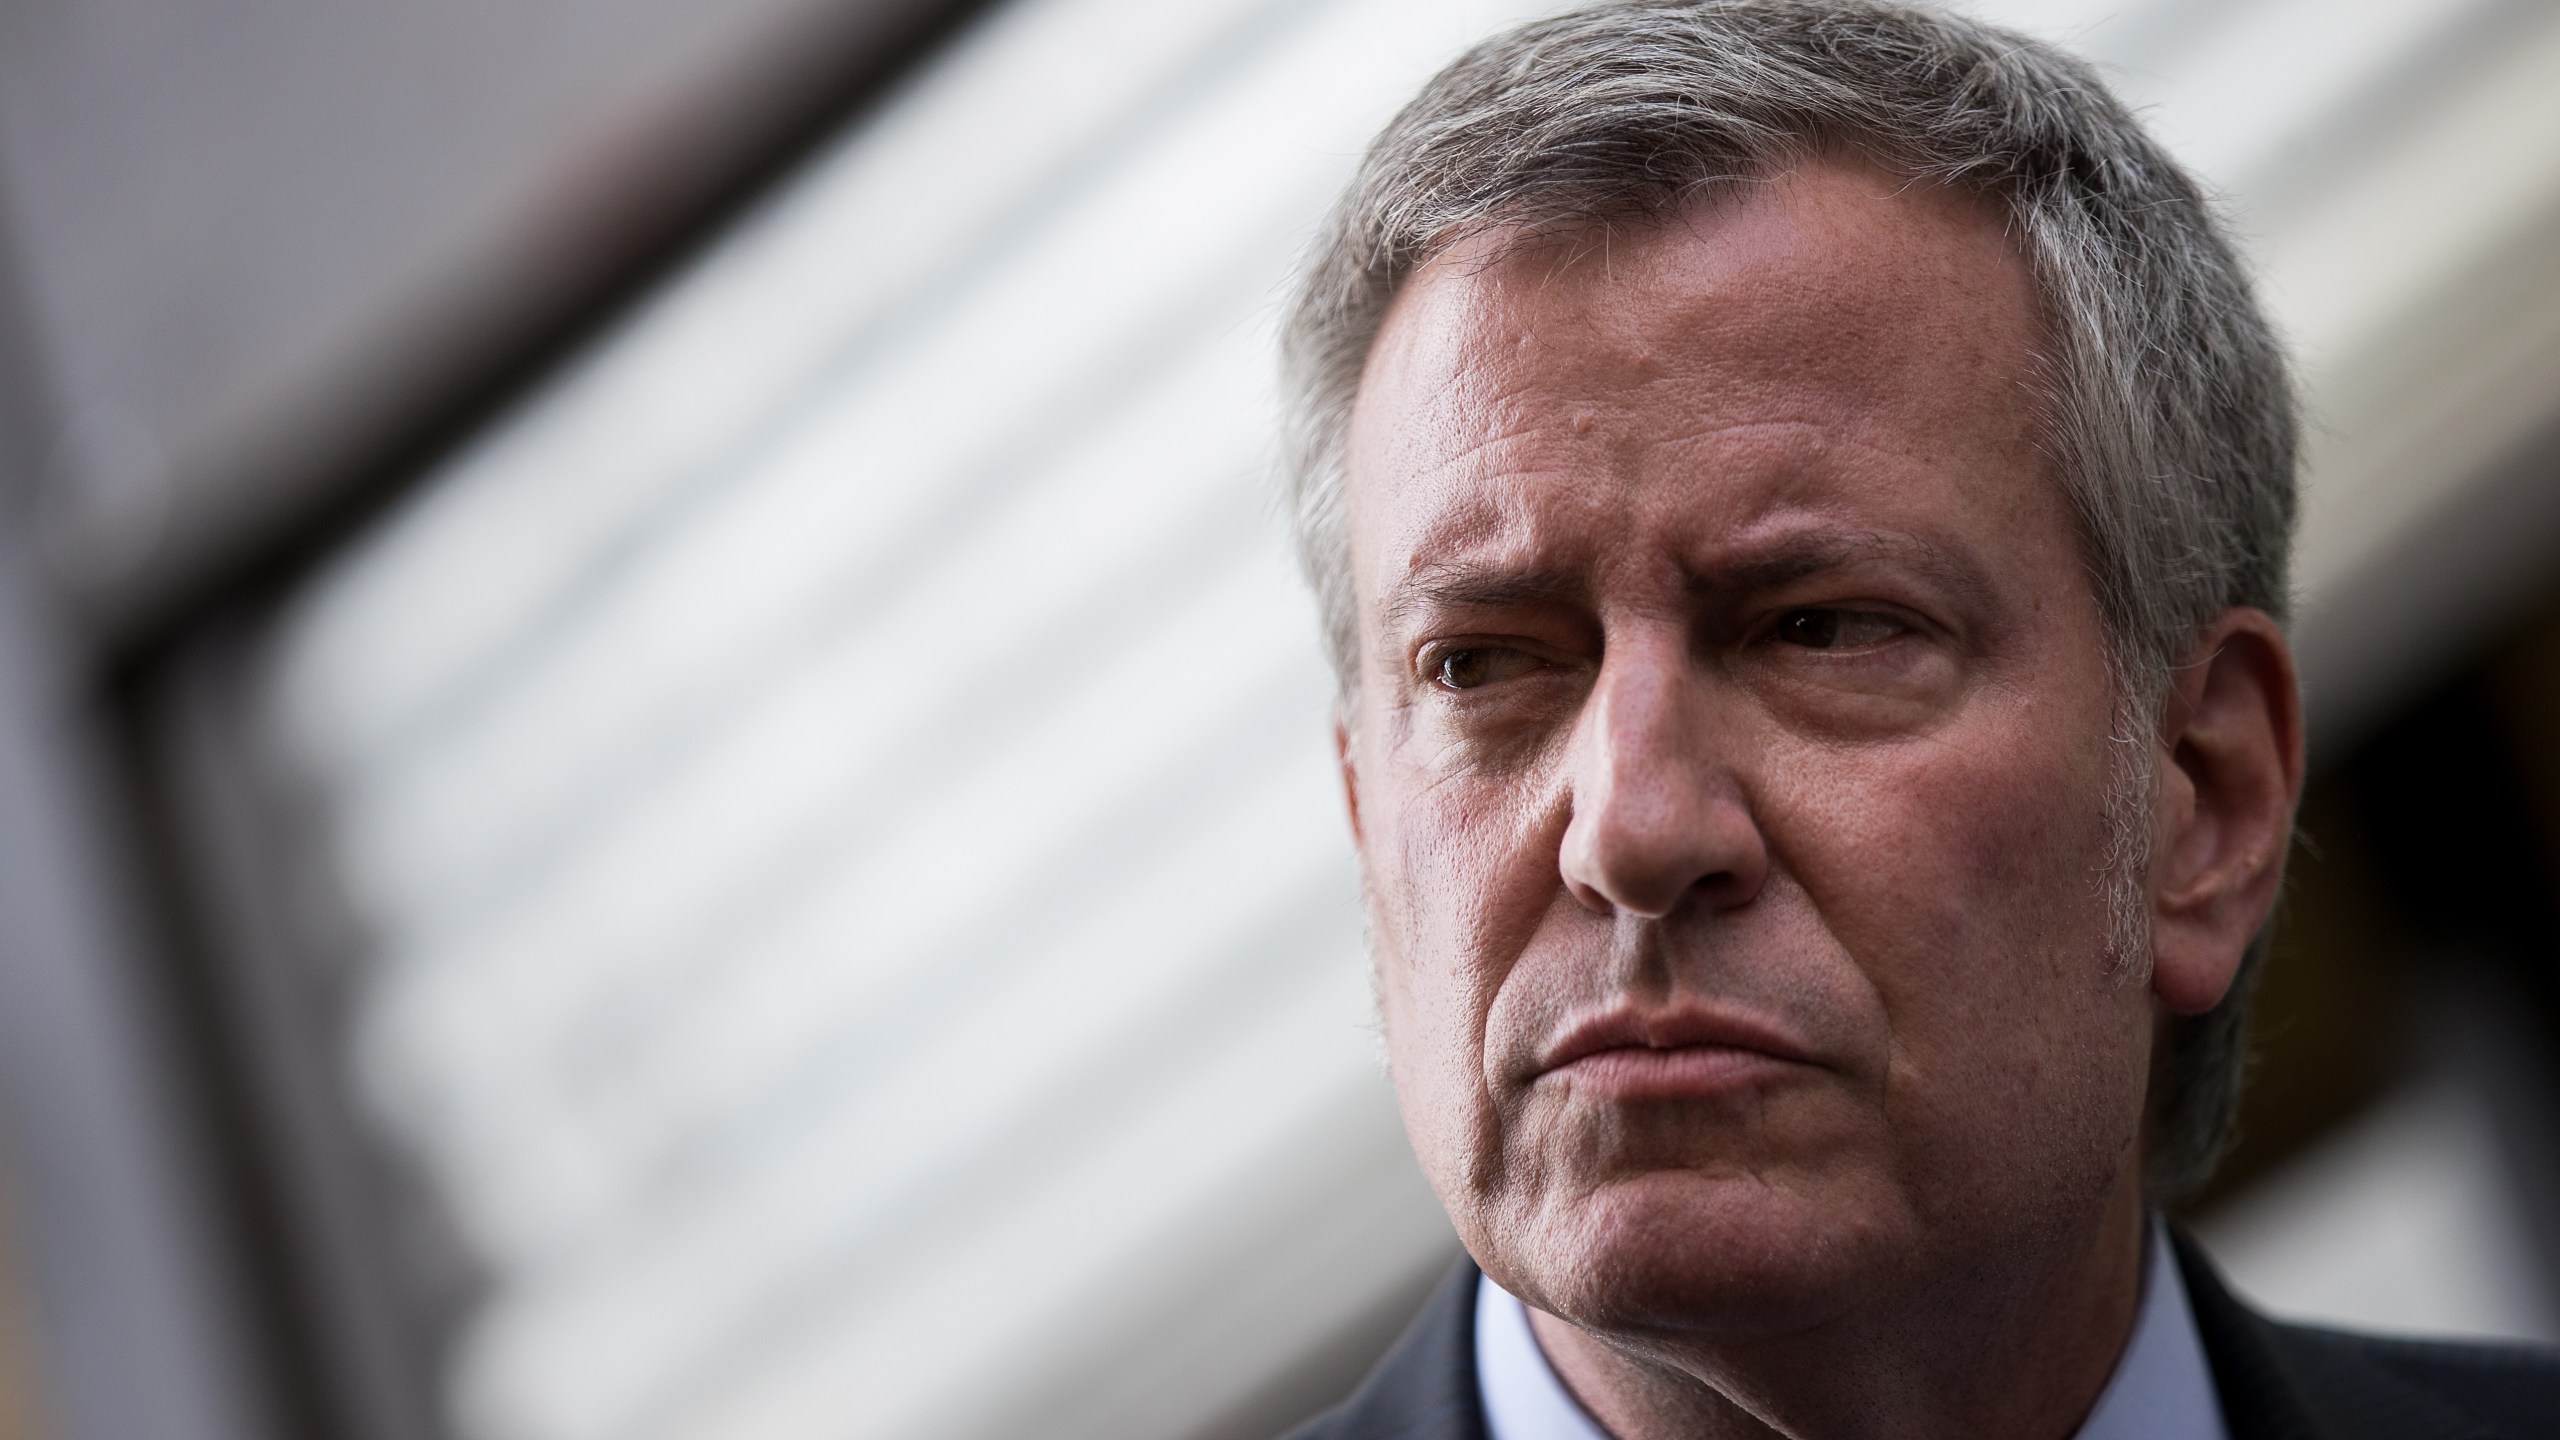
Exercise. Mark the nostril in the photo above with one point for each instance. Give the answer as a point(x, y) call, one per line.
point(1726, 889)
point(1653, 860)
point(1591, 899)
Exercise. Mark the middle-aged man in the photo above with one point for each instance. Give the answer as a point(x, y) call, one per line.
point(1799, 494)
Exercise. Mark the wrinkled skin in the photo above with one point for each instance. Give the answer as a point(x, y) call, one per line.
point(1729, 766)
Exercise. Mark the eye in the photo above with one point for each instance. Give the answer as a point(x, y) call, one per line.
point(1817, 628)
point(1470, 666)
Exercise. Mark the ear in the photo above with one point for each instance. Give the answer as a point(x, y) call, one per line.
point(1350, 775)
point(2230, 772)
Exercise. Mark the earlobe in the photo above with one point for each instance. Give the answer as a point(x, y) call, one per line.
point(2230, 773)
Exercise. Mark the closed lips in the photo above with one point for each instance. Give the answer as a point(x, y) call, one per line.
point(1674, 1052)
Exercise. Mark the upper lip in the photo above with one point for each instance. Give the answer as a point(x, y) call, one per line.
point(1668, 1027)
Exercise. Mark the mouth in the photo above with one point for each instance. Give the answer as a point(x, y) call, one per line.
point(1680, 1052)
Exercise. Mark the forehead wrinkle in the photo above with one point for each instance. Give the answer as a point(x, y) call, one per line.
point(1467, 462)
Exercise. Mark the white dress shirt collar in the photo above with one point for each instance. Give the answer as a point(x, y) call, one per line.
point(2162, 1388)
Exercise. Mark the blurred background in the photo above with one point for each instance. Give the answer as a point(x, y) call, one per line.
point(660, 775)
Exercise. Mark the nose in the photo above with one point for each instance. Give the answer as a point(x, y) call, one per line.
point(1659, 817)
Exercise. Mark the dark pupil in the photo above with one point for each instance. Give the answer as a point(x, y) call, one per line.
point(1818, 629)
point(1464, 669)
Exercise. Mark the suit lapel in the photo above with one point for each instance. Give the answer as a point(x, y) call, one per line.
point(1425, 1388)
point(2288, 1382)
point(2258, 1397)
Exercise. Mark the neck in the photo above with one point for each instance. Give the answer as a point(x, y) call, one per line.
point(2016, 1347)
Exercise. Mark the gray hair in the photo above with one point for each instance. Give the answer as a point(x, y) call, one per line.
point(2170, 414)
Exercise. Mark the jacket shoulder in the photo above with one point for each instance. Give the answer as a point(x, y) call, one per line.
point(2283, 1381)
point(2483, 1390)
point(2277, 1381)
point(1425, 1388)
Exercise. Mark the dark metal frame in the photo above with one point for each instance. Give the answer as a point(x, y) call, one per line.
point(334, 1289)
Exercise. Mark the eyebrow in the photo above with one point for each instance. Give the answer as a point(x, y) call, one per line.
point(1459, 585)
point(1454, 585)
point(1800, 557)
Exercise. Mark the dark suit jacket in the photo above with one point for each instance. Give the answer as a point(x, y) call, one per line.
point(2277, 1382)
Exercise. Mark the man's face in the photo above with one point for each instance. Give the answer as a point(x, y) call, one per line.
point(1731, 760)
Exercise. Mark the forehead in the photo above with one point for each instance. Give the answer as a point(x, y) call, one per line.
point(1835, 336)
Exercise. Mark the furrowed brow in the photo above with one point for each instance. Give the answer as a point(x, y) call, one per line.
point(1803, 557)
point(1464, 587)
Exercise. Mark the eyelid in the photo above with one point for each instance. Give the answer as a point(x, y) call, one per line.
point(1428, 655)
point(1896, 623)
point(1433, 657)
point(1899, 621)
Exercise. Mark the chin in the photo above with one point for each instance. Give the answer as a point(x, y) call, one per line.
point(1685, 1253)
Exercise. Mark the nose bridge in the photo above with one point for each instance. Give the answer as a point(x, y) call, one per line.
point(1642, 716)
point(1637, 734)
point(1658, 810)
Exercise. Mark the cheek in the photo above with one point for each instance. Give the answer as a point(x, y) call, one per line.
point(1997, 825)
point(1965, 876)
point(1458, 875)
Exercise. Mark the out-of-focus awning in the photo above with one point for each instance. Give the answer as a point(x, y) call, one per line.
point(837, 779)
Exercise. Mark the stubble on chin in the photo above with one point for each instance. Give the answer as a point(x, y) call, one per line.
point(1650, 1229)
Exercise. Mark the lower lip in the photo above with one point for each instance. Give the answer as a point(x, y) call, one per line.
point(1683, 1072)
